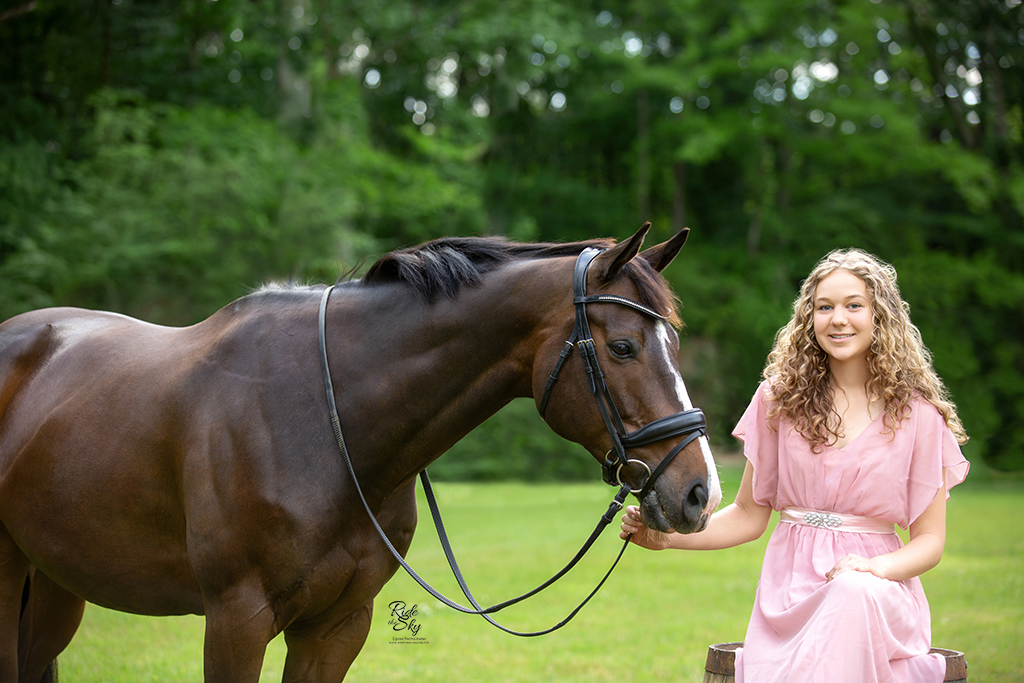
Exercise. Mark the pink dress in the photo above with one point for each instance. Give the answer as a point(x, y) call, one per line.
point(857, 627)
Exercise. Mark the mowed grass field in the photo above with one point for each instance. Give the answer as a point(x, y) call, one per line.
point(653, 620)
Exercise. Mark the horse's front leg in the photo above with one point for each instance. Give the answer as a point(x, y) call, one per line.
point(323, 654)
point(321, 649)
point(239, 624)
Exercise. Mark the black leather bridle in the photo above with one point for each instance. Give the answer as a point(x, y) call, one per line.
point(689, 424)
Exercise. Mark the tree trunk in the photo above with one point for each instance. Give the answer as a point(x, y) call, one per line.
point(292, 66)
point(643, 163)
point(679, 196)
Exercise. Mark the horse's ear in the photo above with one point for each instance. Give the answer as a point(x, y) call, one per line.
point(660, 256)
point(610, 262)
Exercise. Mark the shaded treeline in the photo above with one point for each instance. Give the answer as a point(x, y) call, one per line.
point(161, 158)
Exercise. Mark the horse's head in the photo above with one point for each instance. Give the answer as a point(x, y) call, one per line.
point(616, 387)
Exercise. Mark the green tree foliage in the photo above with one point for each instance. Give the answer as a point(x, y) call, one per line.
point(159, 158)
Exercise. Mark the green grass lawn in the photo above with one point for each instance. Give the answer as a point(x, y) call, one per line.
point(653, 620)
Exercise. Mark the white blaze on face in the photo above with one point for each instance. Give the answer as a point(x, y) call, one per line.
point(714, 484)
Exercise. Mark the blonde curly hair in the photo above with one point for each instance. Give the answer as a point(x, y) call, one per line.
point(899, 364)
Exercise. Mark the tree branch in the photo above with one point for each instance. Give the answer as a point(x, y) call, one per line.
point(15, 12)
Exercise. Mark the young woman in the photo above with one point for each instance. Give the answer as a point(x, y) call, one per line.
point(850, 432)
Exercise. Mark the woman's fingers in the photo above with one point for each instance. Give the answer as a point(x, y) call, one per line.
point(850, 563)
point(630, 521)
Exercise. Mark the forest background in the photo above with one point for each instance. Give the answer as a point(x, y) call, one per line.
point(161, 158)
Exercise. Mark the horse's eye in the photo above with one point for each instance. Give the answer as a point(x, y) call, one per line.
point(621, 349)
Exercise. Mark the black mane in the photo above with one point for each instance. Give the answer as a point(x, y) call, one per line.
point(444, 266)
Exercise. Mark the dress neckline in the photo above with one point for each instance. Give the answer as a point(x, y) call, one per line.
point(858, 436)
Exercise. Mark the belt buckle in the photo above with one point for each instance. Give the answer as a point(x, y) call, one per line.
point(822, 520)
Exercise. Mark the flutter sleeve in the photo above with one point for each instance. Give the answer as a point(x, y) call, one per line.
point(935, 450)
point(760, 447)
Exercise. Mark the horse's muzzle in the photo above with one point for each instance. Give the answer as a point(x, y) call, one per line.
point(689, 515)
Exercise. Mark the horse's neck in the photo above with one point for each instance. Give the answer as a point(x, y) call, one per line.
point(413, 379)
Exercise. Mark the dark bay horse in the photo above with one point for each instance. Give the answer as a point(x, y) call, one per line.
point(163, 471)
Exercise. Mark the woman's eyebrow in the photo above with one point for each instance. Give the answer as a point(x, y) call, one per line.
point(826, 300)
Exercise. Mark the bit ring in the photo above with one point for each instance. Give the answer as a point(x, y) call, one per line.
point(618, 474)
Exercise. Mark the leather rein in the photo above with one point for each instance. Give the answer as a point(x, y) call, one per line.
point(689, 424)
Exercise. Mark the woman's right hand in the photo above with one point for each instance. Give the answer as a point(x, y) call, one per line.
point(641, 534)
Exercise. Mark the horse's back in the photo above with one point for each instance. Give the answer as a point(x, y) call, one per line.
point(84, 419)
point(51, 356)
point(25, 343)
point(37, 336)
point(107, 386)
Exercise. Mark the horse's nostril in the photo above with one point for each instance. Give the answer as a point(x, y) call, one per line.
point(696, 500)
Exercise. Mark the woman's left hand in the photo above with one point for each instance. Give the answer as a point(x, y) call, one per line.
point(922, 552)
point(856, 563)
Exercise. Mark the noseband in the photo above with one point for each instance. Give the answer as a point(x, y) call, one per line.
point(689, 424)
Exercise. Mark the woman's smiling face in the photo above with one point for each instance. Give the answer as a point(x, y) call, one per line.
point(843, 322)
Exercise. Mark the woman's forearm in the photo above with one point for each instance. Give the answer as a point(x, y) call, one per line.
point(735, 524)
point(741, 522)
point(731, 526)
point(913, 559)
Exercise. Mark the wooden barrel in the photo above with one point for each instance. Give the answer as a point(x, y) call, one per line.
point(956, 665)
point(721, 664)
